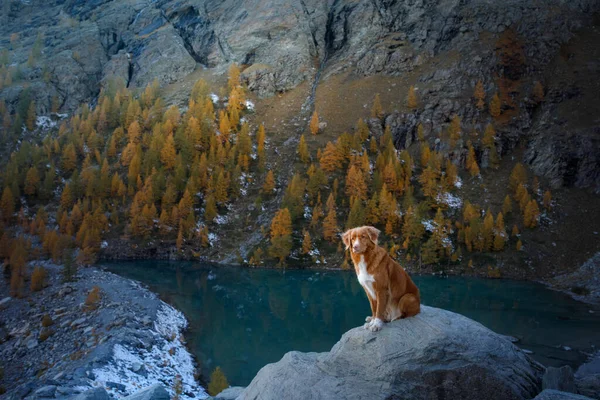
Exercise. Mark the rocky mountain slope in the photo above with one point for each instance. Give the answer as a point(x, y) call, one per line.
point(441, 46)
point(60, 342)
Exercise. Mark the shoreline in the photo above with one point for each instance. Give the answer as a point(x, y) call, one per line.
point(126, 341)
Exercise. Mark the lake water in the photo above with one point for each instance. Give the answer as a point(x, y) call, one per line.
point(241, 319)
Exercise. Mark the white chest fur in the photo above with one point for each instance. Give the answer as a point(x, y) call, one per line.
point(365, 279)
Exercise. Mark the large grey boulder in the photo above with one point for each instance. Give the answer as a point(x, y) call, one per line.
point(587, 377)
point(230, 393)
point(155, 391)
point(551, 394)
point(434, 355)
point(93, 394)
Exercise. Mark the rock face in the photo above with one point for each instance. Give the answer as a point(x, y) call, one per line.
point(435, 355)
point(447, 44)
point(551, 394)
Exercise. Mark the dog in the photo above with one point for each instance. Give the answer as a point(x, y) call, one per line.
point(391, 292)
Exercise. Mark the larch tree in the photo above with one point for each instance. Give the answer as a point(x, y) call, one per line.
point(495, 106)
point(454, 130)
point(269, 184)
point(331, 160)
point(281, 235)
point(420, 132)
point(218, 381)
point(518, 176)
point(356, 216)
point(293, 198)
point(489, 136)
point(488, 230)
point(532, 214)
point(411, 98)
point(547, 201)
point(168, 155)
point(69, 158)
point(306, 242)
point(233, 80)
point(303, 150)
point(425, 154)
point(7, 204)
point(31, 117)
point(479, 95)
point(32, 181)
point(376, 109)
point(507, 205)
point(330, 227)
point(355, 183)
point(499, 233)
point(210, 209)
point(314, 123)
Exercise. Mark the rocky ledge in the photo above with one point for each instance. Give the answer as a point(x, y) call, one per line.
point(61, 342)
point(435, 355)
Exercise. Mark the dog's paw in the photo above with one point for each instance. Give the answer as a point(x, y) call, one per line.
point(375, 325)
point(367, 325)
point(368, 319)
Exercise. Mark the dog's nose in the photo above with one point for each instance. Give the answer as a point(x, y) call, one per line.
point(355, 248)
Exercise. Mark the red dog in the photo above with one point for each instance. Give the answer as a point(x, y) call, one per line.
point(390, 290)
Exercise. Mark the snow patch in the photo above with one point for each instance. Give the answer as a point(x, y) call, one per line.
point(45, 122)
point(212, 238)
point(221, 219)
point(450, 200)
point(160, 363)
point(249, 105)
point(214, 98)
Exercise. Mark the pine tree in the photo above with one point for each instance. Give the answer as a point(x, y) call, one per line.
point(66, 198)
point(269, 184)
point(32, 181)
point(495, 106)
point(519, 245)
point(306, 242)
point(472, 165)
point(281, 235)
point(362, 130)
point(314, 123)
point(218, 381)
point(355, 183)
point(411, 98)
point(479, 95)
point(303, 150)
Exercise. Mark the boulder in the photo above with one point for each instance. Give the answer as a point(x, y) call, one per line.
point(587, 378)
point(435, 355)
point(551, 394)
point(230, 393)
point(153, 392)
point(559, 379)
point(93, 394)
point(45, 391)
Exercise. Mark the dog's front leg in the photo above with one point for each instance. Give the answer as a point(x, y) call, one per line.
point(382, 299)
point(373, 303)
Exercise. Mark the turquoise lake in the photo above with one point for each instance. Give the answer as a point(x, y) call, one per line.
point(241, 319)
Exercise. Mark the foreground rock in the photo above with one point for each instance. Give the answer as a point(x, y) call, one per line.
point(60, 346)
point(551, 394)
point(435, 355)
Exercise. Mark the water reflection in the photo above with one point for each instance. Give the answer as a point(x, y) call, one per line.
point(242, 319)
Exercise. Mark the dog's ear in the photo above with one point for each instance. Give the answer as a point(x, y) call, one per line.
point(346, 238)
point(373, 233)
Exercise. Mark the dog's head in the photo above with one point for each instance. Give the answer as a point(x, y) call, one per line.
point(359, 240)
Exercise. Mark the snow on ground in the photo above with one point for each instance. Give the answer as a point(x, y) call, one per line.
point(221, 219)
point(307, 213)
point(458, 184)
point(214, 98)
point(212, 238)
point(249, 105)
point(44, 122)
point(429, 225)
point(450, 200)
point(162, 362)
